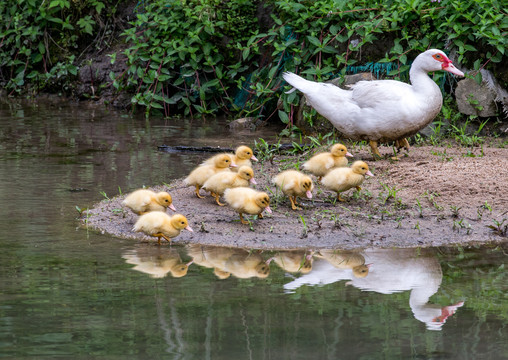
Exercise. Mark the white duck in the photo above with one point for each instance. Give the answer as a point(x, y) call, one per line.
point(381, 110)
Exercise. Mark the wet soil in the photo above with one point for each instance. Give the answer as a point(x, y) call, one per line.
point(435, 196)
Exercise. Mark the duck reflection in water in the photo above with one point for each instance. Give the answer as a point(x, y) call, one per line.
point(226, 261)
point(391, 271)
point(294, 261)
point(157, 261)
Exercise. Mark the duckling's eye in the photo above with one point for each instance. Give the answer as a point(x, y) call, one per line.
point(182, 223)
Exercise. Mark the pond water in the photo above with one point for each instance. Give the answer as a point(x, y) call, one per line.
point(66, 291)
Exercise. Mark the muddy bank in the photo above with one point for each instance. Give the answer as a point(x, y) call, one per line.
point(437, 196)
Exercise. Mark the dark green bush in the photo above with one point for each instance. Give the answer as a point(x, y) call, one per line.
point(209, 56)
point(212, 57)
point(40, 40)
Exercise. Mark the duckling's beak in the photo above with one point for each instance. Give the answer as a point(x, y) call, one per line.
point(268, 210)
point(368, 173)
point(309, 194)
point(233, 164)
point(190, 263)
point(189, 228)
point(172, 207)
point(253, 158)
point(252, 181)
point(349, 154)
point(368, 265)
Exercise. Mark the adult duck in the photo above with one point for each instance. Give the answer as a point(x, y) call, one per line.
point(381, 110)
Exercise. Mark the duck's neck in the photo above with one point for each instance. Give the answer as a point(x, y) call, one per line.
point(422, 83)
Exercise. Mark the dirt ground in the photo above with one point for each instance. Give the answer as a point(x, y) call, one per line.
point(435, 196)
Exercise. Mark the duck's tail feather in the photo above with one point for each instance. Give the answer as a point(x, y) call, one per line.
point(298, 82)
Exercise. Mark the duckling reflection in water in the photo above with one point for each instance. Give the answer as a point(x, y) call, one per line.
point(346, 260)
point(296, 261)
point(157, 262)
point(203, 256)
point(237, 262)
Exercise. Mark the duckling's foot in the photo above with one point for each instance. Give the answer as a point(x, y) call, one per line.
point(375, 150)
point(260, 216)
point(358, 188)
point(217, 199)
point(339, 198)
point(242, 220)
point(294, 204)
point(197, 192)
point(161, 235)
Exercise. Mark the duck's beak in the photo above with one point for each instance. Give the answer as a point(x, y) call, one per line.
point(253, 181)
point(190, 262)
point(233, 164)
point(452, 69)
point(309, 194)
point(349, 154)
point(368, 173)
point(268, 210)
point(189, 228)
point(172, 207)
point(253, 158)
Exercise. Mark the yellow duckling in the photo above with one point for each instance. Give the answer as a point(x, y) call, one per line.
point(161, 225)
point(199, 175)
point(342, 179)
point(247, 201)
point(319, 165)
point(221, 181)
point(242, 156)
point(294, 184)
point(142, 201)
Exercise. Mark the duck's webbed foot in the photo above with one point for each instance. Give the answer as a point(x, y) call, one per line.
point(402, 143)
point(375, 150)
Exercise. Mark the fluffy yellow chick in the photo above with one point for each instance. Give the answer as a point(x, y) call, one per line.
point(199, 175)
point(346, 260)
point(161, 225)
point(247, 201)
point(342, 179)
point(142, 201)
point(242, 156)
point(294, 261)
point(221, 181)
point(294, 184)
point(320, 164)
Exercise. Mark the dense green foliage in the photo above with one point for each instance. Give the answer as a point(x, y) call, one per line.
point(40, 41)
point(208, 56)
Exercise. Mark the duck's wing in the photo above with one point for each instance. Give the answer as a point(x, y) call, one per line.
point(379, 93)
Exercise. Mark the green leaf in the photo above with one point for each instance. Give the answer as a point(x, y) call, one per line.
point(283, 117)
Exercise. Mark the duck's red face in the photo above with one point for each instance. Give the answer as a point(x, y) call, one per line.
point(446, 64)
